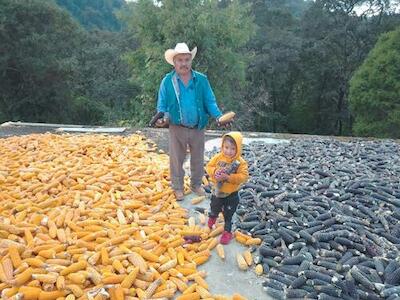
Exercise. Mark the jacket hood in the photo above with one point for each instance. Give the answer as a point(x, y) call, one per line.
point(238, 138)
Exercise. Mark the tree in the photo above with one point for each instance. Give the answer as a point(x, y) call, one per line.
point(37, 42)
point(375, 90)
point(273, 70)
point(98, 14)
point(103, 89)
point(219, 30)
point(335, 41)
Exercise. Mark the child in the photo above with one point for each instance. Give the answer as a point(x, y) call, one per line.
point(227, 171)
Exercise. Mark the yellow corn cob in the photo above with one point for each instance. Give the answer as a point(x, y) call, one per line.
point(9, 292)
point(14, 255)
point(94, 276)
point(29, 292)
point(185, 271)
point(118, 266)
point(152, 288)
point(28, 237)
point(197, 200)
point(226, 117)
point(61, 235)
point(118, 293)
point(7, 268)
point(51, 295)
point(167, 293)
point(253, 241)
point(238, 233)
point(60, 283)
point(201, 273)
point(248, 257)
point(180, 257)
point(200, 260)
point(202, 219)
point(58, 261)
point(128, 280)
point(22, 278)
point(182, 286)
point(202, 292)
point(52, 228)
point(141, 284)
point(105, 260)
point(70, 297)
point(138, 261)
point(238, 297)
point(49, 253)
point(241, 262)
point(259, 269)
point(149, 256)
point(216, 231)
point(77, 278)
point(220, 251)
point(46, 278)
point(148, 276)
point(35, 262)
point(168, 265)
point(113, 279)
point(212, 244)
point(81, 265)
point(121, 217)
point(75, 289)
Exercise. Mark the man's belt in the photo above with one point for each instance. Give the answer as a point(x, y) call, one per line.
point(189, 127)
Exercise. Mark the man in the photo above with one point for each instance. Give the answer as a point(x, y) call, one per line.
point(187, 100)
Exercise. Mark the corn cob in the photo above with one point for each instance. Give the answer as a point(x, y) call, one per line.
point(152, 288)
point(238, 297)
point(259, 269)
point(241, 262)
point(248, 257)
point(220, 251)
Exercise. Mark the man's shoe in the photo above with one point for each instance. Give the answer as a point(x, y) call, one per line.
point(199, 191)
point(225, 238)
point(211, 222)
point(179, 195)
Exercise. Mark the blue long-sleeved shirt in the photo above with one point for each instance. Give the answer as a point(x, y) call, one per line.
point(187, 100)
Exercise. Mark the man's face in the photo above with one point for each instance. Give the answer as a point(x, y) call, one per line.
point(183, 63)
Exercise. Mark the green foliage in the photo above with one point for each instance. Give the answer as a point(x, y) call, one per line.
point(36, 66)
point(219, 30)
point(103, 76)
point(95, 14)
point(273, 71)
point(375, 90)
point(51, 70)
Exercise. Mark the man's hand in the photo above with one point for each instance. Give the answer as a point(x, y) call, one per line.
point(226, 120)
point(162, 123)
point(225, 125)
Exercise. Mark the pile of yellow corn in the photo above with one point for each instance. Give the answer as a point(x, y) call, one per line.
point(93, 217)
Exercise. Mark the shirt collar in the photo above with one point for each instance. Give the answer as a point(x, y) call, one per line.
point(193, 75)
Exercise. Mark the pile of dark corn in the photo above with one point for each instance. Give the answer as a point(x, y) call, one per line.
point(328, 213)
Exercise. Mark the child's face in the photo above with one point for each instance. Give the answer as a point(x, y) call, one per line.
point(229, 149)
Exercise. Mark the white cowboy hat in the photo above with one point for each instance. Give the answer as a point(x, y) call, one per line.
point(180, 48)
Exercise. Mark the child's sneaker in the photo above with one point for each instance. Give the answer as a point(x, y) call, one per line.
point(211, 222)
point(225, 238)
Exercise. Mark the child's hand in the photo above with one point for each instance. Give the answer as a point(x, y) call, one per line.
point(224, 176)
point(220, 175)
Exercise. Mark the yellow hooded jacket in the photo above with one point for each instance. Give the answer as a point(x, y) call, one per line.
point(219, 160)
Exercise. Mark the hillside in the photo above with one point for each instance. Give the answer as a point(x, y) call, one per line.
point(99, 14)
